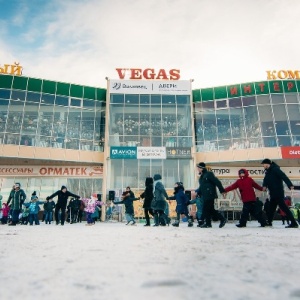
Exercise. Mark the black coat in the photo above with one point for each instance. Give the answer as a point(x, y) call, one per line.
point(128, 202)
point(148, 196)
point(208, 184)
point(62, 198)
point(273, 181)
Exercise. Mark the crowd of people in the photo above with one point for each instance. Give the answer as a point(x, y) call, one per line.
point(156, 202)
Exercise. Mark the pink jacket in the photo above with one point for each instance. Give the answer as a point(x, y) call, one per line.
point(5, 210)
point(90, 204)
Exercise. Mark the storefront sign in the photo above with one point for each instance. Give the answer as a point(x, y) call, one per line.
point(182, 87)
point(11, 69)
point(148, 74)
point(151, 153)
point(52, 171)
point(283, 74)
point(290, 152)
point(179, 152)
point(123, 152)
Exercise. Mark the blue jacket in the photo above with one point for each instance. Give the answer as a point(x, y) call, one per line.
point(33, 206)
point(181, 201)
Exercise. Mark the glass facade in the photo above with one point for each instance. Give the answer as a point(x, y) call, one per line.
point(245, 116)
point(44, 113)
point(150, 120)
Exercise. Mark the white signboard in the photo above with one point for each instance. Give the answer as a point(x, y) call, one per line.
point(178, 87)
point(151, 153)
point(254, 172)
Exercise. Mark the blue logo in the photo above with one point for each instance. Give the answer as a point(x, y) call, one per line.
point(123, 152)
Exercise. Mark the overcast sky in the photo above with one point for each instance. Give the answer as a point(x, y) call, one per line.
point(214, 42)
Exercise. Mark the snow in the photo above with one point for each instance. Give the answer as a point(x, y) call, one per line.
point(113, 261)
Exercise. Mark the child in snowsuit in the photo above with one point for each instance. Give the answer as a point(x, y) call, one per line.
point(34, 209)
point(5, 211)
point(90, 207)
point(181, 204)
point(48, 211)
point(288, 202)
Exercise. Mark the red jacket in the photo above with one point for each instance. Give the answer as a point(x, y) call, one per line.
point(246, 186)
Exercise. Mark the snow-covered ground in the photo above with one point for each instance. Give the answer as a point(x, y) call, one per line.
point(114, 261)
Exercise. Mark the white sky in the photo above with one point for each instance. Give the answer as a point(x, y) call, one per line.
point(214, 42)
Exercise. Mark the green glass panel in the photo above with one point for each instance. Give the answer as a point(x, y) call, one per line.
point(5, 81)
point(76, 91)
point(63, 89)
point(89, 92)
point(276, 86)
point(196, 96)
point(49, 87)
point(290, 86)
point(234, 90)
point(34, 85)
point(101, 94)
point(298, 85)
point(220, 92)
point(207, 94)
point(20, 83)
point(248, 89)
point(262, 88)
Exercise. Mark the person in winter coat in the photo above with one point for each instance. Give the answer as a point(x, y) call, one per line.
point(181, 204)
point(34, 209)
point(48, 211)
point(273, 181)
point(147, 195)
point(246, 186)
point(159, 201)
point(17, 197)
point(90, 205)
point(288, 202)
point(5, 211)
point(208, 183)
point(129, 209)
point(128, 189)
point(62, 197)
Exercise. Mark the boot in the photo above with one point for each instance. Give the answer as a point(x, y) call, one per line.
point(156, 220)
point(200, 223)
point(292, 225)
point(205, 225)
point(176, 223)
point(190, 222)
point(223, 222)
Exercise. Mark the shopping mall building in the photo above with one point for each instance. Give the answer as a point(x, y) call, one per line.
point(96, 140)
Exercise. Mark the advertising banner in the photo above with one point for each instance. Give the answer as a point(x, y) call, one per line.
point(182, 87)
point(290, 152)
point(52, 171)
point(174, 152)
point(151, 153)
point(123, 153)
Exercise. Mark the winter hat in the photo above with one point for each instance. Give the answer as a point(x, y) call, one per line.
point(34, 196)
point(148, 181)
point(266, 161)
point(63, 187)
point(156, 177)
point(242, 171)
point(201, 165)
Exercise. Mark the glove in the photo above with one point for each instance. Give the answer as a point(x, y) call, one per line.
point(47, 198)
